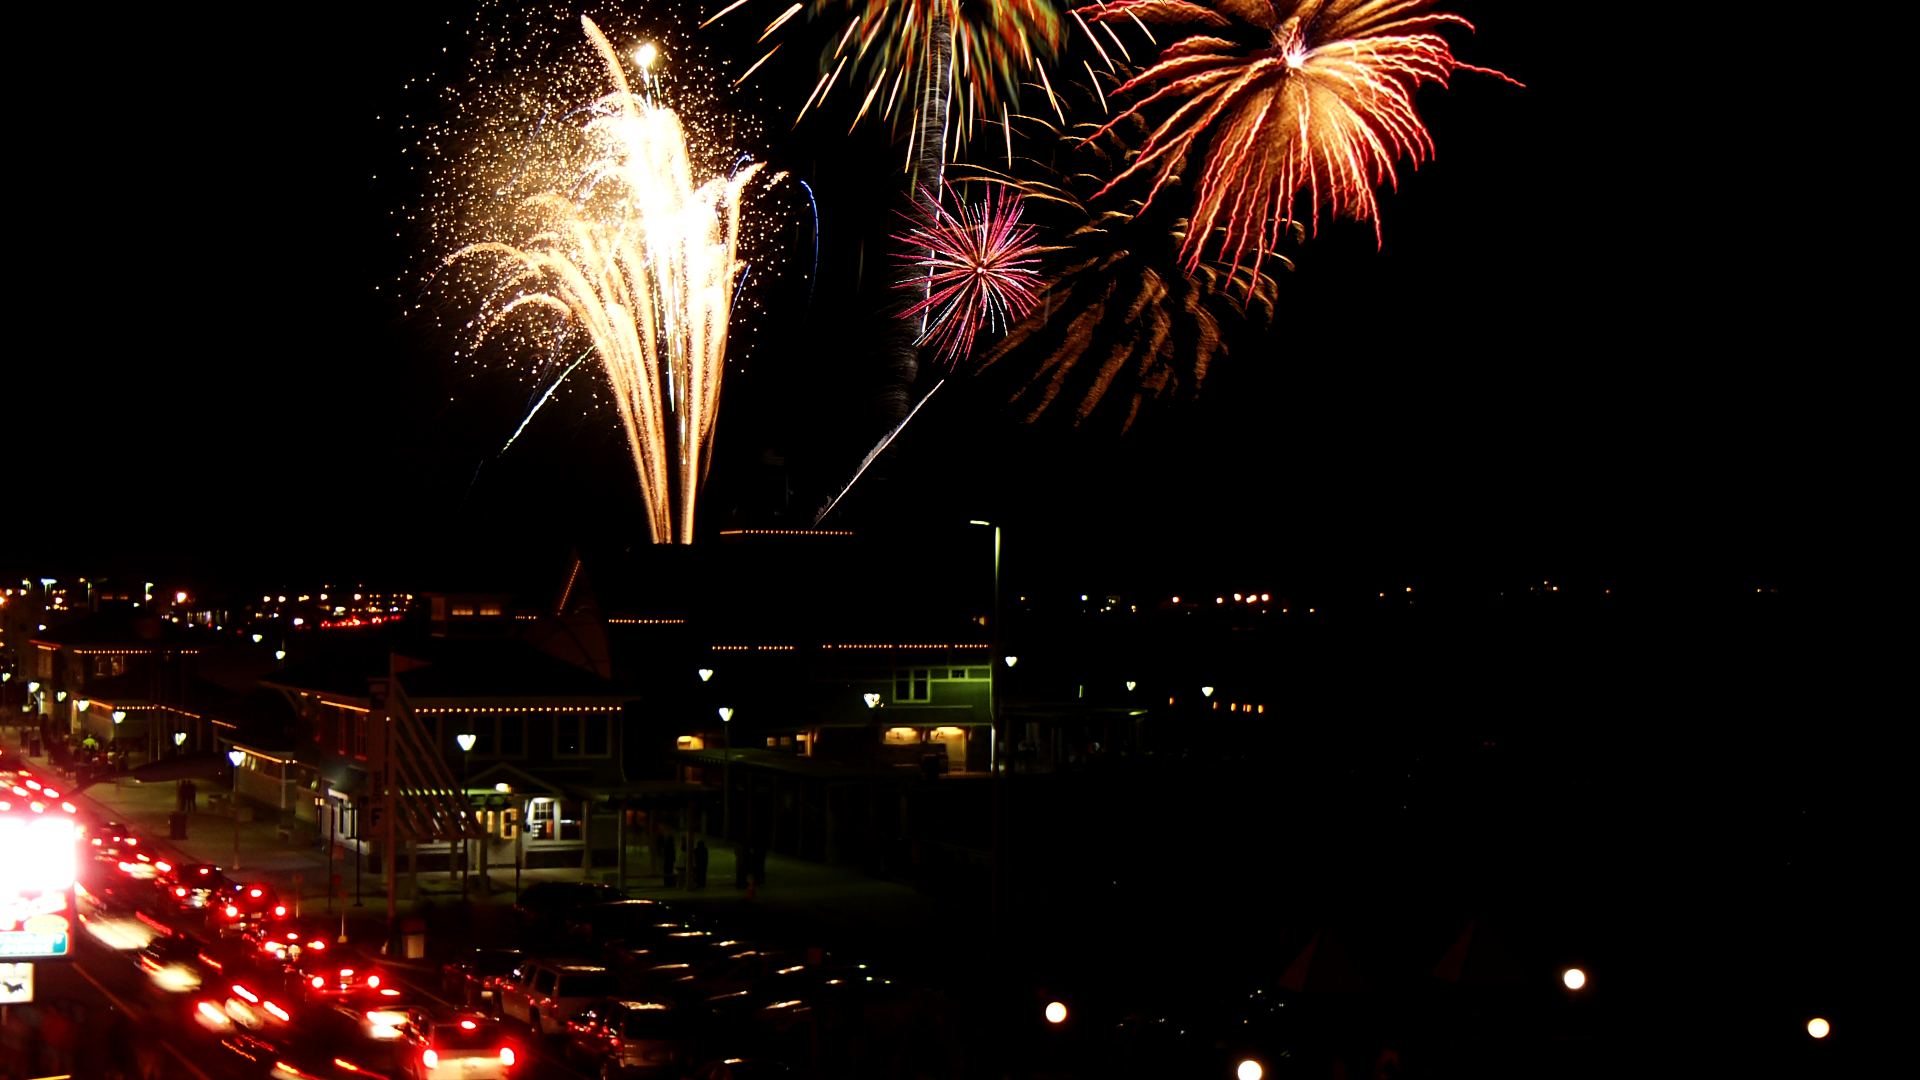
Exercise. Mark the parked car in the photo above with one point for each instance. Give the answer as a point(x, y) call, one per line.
point(544, 994)
point(458, 1045)
point(474, 979)
point(742, 1069)
point(540, 902)
point(623, 1037)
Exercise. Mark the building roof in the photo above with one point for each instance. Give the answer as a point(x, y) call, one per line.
point(500, 668)
point(125, 629)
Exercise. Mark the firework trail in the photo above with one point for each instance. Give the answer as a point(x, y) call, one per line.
point(626, 247)
point(1318, 110)
point(980, 268)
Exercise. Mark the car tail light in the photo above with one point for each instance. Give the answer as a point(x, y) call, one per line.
point(430, 1059)
point(373, 980)
point(278, 1011)
point(317, 946)
point(132, 841)
point(468, 1025)
point(346, 973)
point(279, 910)
point(318, 982)
point(165, 868)
point(232, 911)
point(506, 1055)
point(179, 892)
point(211, 1011)
point(253, 893)
point(245, 993)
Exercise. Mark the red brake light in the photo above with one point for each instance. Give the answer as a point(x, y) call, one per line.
point(373, 980)
point(164, 867)
point(506, 1055)
point(430, 1059)
point(468, 1025)
point(318, 982)
point(279, 910)
point(253, 892)
point(232, 911)
point(179, 892)
point(131, 840)
point(346, 973)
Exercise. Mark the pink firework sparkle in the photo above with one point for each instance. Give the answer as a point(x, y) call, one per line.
point(978, 267)
point(1320, 112)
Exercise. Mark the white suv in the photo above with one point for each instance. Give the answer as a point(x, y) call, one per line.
point(543, 994)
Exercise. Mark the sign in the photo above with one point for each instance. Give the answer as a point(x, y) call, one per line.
point(16, 984)
point(36, 886)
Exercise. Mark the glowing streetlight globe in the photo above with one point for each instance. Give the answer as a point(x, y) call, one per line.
point(1056, 1013)
point(1574, 978)
point(119, 715)
point(1818, 1028)
point(236, 756)
point(466, 741)
point(725, 714)
point(1012, 660)
point(706, 673)
point(179, 738)
point(1249, 1070)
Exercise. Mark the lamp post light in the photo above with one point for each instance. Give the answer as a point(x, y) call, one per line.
point(235, 756)
point(179, 738)
point(466, 741)
point(705, 674)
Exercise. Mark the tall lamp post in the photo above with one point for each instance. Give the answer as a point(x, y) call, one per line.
point(993, 739)
point(466, 742)
point(235, 756)
point(726, 775)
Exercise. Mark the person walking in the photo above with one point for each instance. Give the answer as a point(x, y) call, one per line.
point(193, 796)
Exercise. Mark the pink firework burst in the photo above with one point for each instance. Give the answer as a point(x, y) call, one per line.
point(1320, 111)
point(977, 267)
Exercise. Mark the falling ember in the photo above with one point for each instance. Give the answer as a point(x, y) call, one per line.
point(624, 247)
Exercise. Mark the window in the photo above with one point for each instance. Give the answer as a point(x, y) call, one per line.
point(462, 607)
point(490, 609)
point(581, 735)
point(513, 736)
point(109, 665)
point(540, 819)
point(910, 684)
point(439, 608)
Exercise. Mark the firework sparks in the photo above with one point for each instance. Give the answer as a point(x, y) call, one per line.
point(980, 268)
point(993, 41)
point(623, 246)
point(1319, 111)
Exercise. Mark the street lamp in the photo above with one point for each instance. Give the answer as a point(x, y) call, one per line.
point(235, 756)
point(466, 741)
point(83, 704)
point(706, 673)
point(1574, 978)
point(120, 716)
point(179, 738)
point(33, 687)
point(1206, 691)
point(726, 776)
point(1056, 1013)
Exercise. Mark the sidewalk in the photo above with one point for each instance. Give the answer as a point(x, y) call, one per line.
point(803, 904)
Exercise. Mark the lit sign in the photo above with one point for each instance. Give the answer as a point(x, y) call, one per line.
point(36, 886)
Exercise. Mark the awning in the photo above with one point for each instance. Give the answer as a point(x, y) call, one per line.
point(184, 767)
point(341, 778)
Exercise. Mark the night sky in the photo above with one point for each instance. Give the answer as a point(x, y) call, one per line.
point(1585, 347)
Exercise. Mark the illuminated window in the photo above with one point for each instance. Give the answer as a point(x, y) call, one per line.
point(461, 608)
point(490, 609)
point(901, 735)
point(690, 742)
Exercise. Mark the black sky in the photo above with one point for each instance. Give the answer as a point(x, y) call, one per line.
point(1586, 344)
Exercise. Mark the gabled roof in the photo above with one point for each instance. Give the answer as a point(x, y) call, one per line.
point(499, 668)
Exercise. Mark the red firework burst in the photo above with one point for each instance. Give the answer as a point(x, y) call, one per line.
point(979, 267)
point(1321, 111)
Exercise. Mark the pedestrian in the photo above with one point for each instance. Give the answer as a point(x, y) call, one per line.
point(700, 864)
point(180, 797)
point(193, 796)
